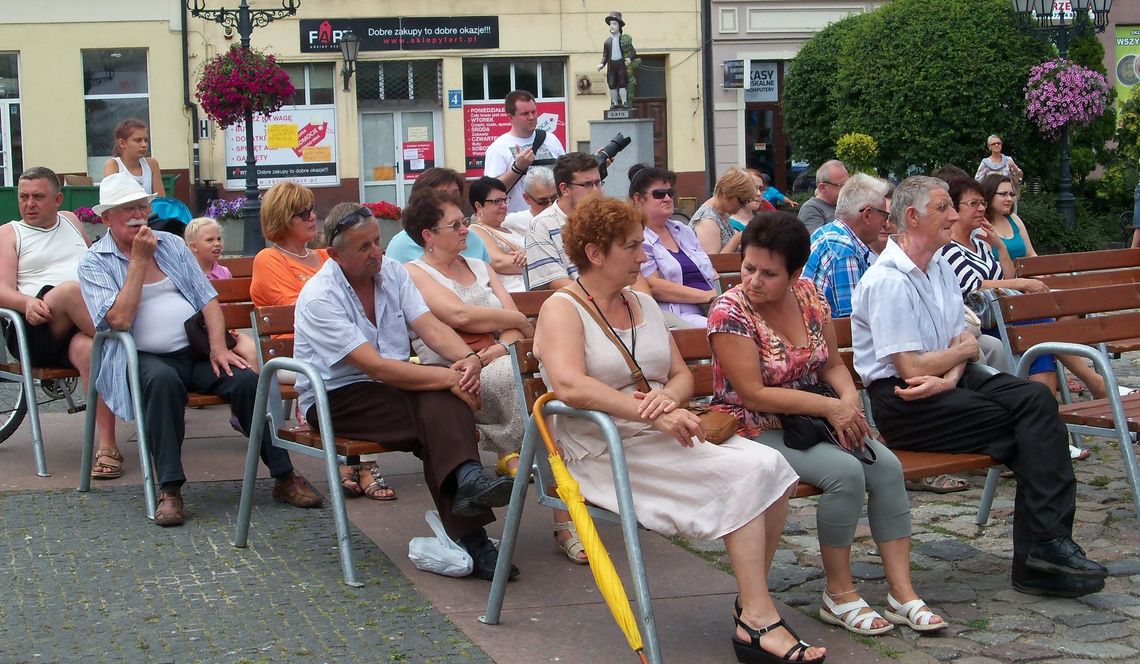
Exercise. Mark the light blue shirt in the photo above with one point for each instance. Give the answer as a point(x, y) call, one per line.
point(329, 323)
point(403, 248)
point(897, 307)
point(102, 273)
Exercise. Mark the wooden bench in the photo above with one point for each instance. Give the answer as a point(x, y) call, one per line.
point(728, 267)
point(530, 302)
point(1081, 261)
point(1113, 316)
point(239, 266)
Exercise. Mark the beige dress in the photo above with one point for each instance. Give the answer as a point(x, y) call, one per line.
point(499, 421)
point(705, 491)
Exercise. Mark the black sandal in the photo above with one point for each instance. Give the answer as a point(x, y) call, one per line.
point(753, 653)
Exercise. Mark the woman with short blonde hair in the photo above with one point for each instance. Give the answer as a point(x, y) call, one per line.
point(733, 191)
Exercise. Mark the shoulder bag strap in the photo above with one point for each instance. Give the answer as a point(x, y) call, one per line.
point(634, 370)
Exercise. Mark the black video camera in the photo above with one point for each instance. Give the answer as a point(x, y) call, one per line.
point(611, 150)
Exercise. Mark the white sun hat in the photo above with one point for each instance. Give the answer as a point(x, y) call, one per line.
point(119, 189)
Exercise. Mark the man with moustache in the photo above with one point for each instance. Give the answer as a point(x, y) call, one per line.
point(147, 282)
point(929, 394)
point(353, 320)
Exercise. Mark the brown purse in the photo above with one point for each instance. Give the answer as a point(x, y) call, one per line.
point(718, 426)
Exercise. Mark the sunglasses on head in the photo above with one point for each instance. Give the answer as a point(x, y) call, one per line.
point(348, 221)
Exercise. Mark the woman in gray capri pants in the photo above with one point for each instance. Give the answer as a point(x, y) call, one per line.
point(770, 336)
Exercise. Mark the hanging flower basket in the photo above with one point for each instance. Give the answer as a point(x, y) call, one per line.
point(221, 209)
point(1061, 93)
point(242, 79)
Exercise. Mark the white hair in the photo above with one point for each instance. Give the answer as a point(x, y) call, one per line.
point(860, 192)
point(538, 176)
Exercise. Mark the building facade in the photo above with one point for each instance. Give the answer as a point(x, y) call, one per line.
point(427, 90)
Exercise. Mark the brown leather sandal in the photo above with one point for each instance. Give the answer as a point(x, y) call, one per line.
point(378, 488)
point(169, 512)
point(108, 465)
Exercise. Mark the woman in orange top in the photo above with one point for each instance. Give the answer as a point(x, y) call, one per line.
point(289, 222)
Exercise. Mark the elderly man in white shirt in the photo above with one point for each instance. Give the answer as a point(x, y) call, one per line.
point(928, 393)
point(352, 322)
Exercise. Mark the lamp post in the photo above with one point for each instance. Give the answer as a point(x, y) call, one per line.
point(244, 20)
point(349, 48)
point(1038, 15)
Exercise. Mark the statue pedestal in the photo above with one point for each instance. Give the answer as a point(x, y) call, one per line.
point(640, 151)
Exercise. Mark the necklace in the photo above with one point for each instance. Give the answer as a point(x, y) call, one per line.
point(632, 348)
point(297, 256)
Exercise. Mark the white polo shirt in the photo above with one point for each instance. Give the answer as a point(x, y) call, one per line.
point(898, 308)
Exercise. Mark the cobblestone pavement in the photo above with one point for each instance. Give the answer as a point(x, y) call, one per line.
point(962, 571)
point(87, 578)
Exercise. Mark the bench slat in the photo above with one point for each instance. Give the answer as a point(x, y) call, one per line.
point(1091, 279)
point(529, 302)
point(1098, 413)
point(302, 435)
point(729, 262)
point(1089, 331)
point(42, 373)
point(1082, 261)
point(239, 266)
point(197, 400)
point(232, 290)
point(1078, 302)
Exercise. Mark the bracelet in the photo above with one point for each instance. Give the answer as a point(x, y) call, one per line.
point(474, 355)
point(505, 347)
point(516, 169)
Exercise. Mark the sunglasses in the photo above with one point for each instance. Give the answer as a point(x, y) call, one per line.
point(544, 202)
point(348, 221)
point(304, 214)
point(660, 194)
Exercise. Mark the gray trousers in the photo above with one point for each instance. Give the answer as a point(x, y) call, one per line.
point(844, 480)
point(165, 381)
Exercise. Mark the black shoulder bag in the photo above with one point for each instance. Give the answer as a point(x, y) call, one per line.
point(804, 431)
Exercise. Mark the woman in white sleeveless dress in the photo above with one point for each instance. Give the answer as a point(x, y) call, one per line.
point(681, 484)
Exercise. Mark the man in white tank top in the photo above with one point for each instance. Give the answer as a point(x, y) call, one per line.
point(39, 254)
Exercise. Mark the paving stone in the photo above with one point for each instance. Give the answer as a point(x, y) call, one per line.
point(951, 649)
point(948, 593)
point(1096, 651)
point(783, 577)
point(867, 571)
point(1085, 619)
point(1019, 652)
point(1110, 601)
point(1024, 624)
point(1100, 632)
point(947, 550)
point(988, 638)
point(1123, 567)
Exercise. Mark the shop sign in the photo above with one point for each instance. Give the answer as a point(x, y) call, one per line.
point(485, 121)
point(402, 33)
point(1127, 62)
point(762, 81)
point(733, 74)
point(297, 144)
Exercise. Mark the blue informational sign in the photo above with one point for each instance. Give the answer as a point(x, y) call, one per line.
point(455, 99)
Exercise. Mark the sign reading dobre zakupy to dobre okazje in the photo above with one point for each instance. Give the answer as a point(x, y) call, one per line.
point(296, 144)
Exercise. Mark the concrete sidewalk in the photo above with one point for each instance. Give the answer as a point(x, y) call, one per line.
point(90, 578)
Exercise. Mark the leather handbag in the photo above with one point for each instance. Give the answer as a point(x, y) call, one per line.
point(803, 432)
point(718, 426)
point(199, 338)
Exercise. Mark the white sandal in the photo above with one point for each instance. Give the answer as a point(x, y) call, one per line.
point(572, 546)
point(848, 616)
point(914, 614)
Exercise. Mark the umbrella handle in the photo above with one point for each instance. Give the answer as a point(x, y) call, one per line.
point(540, 421)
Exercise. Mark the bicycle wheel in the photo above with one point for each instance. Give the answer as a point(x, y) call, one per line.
point(13, 407)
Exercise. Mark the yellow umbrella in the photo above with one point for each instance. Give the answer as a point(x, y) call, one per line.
point(605, 575)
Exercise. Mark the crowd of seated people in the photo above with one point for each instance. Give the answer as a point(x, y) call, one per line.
point(629, 265)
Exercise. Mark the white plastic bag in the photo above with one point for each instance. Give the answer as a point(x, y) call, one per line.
point(439, 554)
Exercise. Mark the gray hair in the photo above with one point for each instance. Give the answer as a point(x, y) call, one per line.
point(913, 192)
point(538, 176)
point(860, 192)
point(338, 212)
point(824, 171)
point(42, 173)
point(990, 138)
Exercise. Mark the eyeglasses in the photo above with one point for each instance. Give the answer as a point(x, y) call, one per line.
point(978, 204)
point(660, 194)
point(347, 221)
point(304, 214)
point(743, 201)
point(592, 184)
point(462, 223)
point(837, 185)
point(495, 201)
point(1006, 194)
point(137, 207)
point(995, 143)
point(544, 202)
point(879, 210)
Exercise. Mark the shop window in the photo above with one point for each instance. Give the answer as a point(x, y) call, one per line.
point(313, 83)
point(492, 80)
point(399, 81)
point(9, 76)
point(651, 77)
point(115, 88)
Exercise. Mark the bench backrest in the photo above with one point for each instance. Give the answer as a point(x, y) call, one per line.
point(239, 266)
point(233, 295)
point(1082, 261)
point(529, 302)
point(1092, 279)
point(271, 322)
point(1114, 306)
point(728, 267)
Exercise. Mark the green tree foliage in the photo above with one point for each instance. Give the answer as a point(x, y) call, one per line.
point(929, 80)
point(1089, 144)
point(859, 151)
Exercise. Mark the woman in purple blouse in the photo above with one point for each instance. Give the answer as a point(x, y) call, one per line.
point(680, 274)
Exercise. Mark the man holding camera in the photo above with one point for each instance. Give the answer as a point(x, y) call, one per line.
point(509, 157)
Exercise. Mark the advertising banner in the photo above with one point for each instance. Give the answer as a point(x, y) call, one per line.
point(1127, 62)
point(762, 81)
point(402, 33)
point(483, 122)
point(298, 144)
point(733, 74)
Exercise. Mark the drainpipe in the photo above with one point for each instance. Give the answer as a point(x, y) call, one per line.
point(190, 106)
point(707, 83)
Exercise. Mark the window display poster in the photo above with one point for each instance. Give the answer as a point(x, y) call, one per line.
point(483, 122)
point(418, 156)
point(1127, 62)
point(297, 144)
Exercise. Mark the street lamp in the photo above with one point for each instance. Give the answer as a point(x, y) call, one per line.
point(1038, 15)
point(349, 47)
point(244, 20)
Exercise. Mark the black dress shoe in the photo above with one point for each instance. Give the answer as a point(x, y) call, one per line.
point(1062, 555)
point(485, 556)
point(481, 494)
point(1056, 585)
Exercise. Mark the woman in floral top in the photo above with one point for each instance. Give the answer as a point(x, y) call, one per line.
point(777, 330)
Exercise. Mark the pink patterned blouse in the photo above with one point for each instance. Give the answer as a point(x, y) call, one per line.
point(781, 364)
